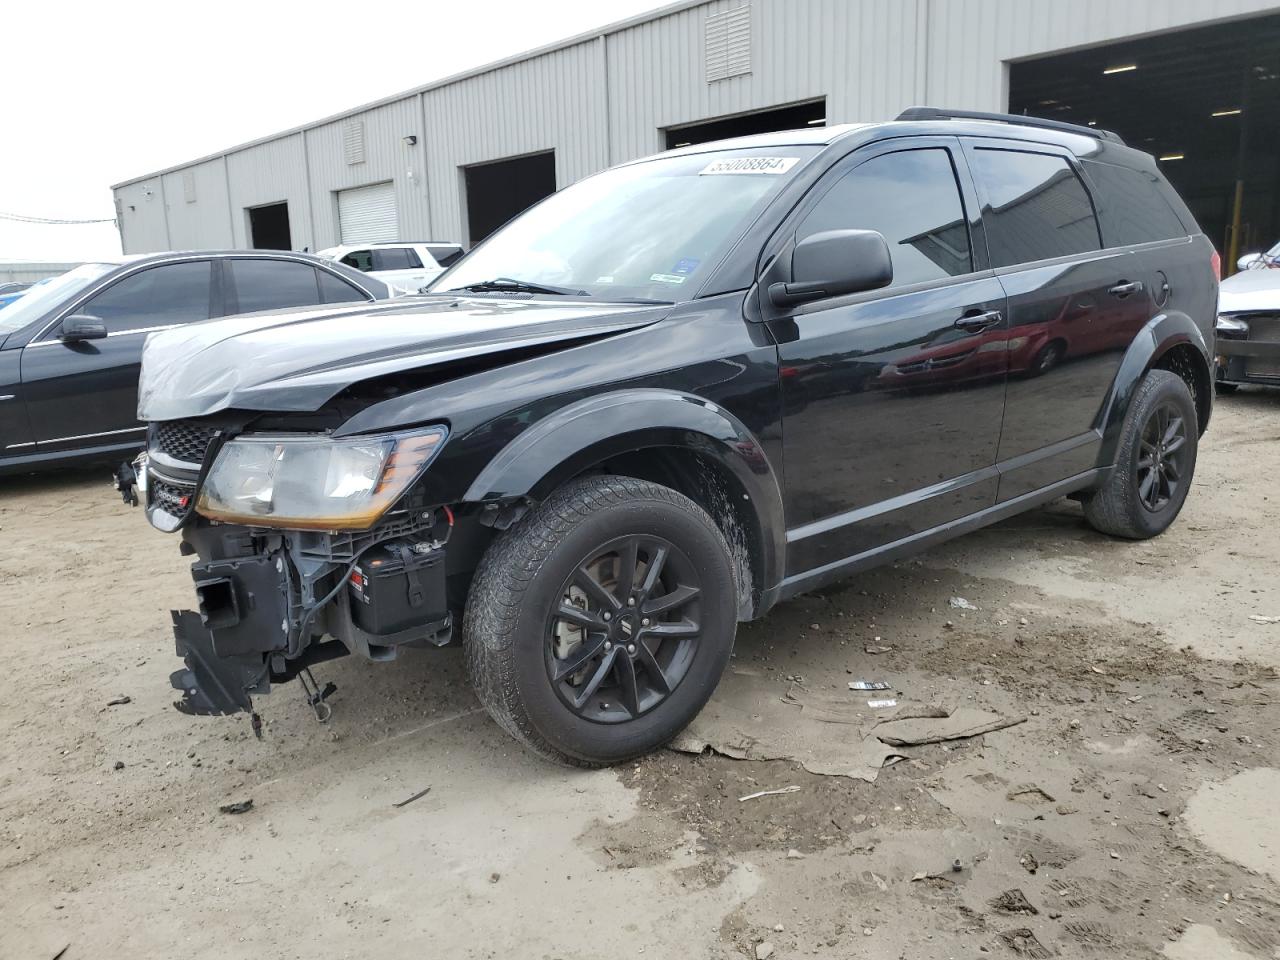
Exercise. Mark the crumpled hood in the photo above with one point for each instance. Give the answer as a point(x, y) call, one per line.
point(1250, 290)
point(299, 359)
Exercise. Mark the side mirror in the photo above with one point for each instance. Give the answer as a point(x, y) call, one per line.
point(82, 326)
point(834, 263)
point(1248, 260)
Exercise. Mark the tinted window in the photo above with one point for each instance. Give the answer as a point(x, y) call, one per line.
point(1131, 207)
point(169, 293)
point(396, 258)
point(360, 259)
point(336, 290)
point(912, 198)
point(268, 284)
point(1037, 208)
point(446, 256)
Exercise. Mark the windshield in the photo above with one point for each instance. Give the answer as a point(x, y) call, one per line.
point(43, 297)
point(648, 230)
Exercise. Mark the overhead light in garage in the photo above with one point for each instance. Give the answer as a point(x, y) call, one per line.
point(1234, 112)
point(814, 123)
point(1122, 68)
point(1172, 156)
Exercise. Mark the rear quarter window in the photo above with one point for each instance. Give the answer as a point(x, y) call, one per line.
point(1131, 205)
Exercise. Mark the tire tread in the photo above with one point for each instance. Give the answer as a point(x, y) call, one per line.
point(504, 575)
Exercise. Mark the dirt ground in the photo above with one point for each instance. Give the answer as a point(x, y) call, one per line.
point(1132, 814)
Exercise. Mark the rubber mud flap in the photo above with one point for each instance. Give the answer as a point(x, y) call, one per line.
point(213, 686)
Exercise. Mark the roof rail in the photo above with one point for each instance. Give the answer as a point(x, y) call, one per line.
point(941, 113)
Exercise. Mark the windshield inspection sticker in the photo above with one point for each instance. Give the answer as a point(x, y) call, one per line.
point(774, 165)
point(666, 278)
point(685, 266)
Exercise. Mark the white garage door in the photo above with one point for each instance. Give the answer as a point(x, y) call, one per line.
point(368, 214)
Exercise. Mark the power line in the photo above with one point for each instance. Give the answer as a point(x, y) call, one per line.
point(22, 218)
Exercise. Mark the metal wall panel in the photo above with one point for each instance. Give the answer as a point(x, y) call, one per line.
point(142, 217)
point(386, 158)
point(205, 222)
point(269, 173)
point(970, 42)
point(551, 102)
point(606, 98)
point(859, 54)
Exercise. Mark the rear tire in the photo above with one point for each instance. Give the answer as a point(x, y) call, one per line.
point(1155, 463)
point(599, 626)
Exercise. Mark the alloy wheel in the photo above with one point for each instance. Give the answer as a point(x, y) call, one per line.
point(625, 630)
point(1161, 457)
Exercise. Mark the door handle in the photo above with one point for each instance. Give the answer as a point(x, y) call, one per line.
point(1124, 288)
point(978, 321)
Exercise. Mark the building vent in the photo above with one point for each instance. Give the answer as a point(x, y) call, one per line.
point(353, 141)
point(728, 44)
point(189, 186)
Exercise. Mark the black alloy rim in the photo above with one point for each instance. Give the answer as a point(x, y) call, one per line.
point(1162, 457)
point(625, 629)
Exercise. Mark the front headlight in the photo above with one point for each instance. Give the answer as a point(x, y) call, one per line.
point(1231, 325)
point(314, 483)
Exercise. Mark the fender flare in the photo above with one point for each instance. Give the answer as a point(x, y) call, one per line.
point(589, 431)
point(1160, 335)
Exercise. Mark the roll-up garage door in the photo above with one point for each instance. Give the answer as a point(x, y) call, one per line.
point(368, 214)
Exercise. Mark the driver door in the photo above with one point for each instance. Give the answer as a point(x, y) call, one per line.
point(85, 394)
point(893, 398)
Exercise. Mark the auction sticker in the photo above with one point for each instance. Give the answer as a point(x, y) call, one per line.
point(773, 165)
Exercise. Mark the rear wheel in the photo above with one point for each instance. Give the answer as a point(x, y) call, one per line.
point(597, 628)
point(1156, 461)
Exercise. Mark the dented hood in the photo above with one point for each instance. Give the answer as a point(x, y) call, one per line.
point(299, 359)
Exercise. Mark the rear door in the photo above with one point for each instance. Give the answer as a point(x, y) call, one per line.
point(1073, 308)
point(264, 283)
point(83, 395)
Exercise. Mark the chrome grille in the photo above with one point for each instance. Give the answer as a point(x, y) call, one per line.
point(182, 440)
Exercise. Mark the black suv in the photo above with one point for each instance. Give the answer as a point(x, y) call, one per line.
point(674, 394)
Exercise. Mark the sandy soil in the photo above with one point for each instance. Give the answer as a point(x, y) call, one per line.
point(1131, 815)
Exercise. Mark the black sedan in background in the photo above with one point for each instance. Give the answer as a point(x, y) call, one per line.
point(70, 348)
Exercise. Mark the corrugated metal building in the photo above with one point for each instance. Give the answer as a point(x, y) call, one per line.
point(424, 160)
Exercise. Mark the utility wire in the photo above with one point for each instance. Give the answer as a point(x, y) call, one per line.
point(21, 218)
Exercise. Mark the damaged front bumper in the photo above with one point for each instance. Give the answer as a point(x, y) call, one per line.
point(1250, 354)
point(273, 602)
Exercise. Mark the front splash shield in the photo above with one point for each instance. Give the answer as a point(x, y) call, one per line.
point(213, 686)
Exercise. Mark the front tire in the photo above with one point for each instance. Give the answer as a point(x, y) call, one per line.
point(599, 626)
point(1156, 461)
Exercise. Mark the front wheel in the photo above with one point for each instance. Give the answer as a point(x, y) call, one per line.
point(1156, 461)
point(599, 626)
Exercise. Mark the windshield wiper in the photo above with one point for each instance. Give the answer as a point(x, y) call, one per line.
point(519, 286)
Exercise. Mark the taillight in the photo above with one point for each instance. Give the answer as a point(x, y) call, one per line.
point(1216, 263)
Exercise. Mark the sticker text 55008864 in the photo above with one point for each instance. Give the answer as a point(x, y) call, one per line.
point(774, 165)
